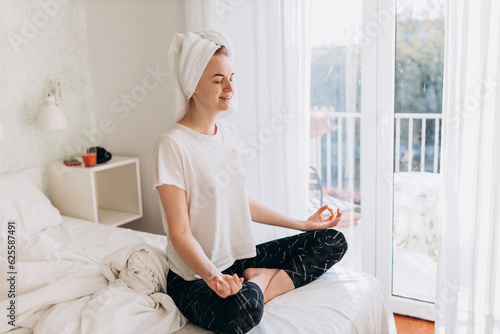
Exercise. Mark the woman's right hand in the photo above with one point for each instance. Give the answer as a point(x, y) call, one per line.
point(225, 285)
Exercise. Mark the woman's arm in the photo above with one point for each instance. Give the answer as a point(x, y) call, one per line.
point(174, 204)
point(264, 215)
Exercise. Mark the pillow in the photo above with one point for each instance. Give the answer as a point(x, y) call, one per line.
point(20, 199)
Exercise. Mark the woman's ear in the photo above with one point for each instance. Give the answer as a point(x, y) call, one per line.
point(191, 100)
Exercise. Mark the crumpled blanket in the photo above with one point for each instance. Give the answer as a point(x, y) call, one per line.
point(143, 268)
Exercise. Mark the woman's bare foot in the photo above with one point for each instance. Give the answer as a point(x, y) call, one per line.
point(272, 282)
point(260, 276)
point(279, 284)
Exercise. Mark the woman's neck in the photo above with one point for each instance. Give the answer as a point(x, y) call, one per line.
point(204, 124)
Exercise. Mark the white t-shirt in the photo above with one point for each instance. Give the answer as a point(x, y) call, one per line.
point(209, 169)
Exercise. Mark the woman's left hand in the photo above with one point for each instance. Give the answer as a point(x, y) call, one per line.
point(318, 222)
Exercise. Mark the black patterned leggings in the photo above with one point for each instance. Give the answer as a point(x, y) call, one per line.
point(304, 257)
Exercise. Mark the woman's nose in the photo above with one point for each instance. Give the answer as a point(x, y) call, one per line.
point(229, 87)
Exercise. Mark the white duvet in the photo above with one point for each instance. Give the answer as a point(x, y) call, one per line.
point(83, 277)
point(66, 287)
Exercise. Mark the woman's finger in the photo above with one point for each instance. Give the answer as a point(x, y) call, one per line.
point(231, 284)
point(332, 214)
point(335, 214)
point(237, 281)
point(218, 284)
point(320, 210)
point(337, 218)
point(225, 286)
point(330, 217)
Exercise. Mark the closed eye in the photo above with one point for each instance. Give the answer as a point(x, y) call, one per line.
point(219, 82)
point(222, 76)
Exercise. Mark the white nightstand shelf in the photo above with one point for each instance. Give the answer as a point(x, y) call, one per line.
point(108, 193)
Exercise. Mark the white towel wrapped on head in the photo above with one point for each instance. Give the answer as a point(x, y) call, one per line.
point(188, 57)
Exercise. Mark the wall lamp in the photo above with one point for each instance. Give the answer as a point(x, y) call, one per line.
point(51, 117)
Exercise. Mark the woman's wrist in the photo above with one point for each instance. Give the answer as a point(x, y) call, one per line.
point(305, 225)
point(296, 224)
point(211, 272)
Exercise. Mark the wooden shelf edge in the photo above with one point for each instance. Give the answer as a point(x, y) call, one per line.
point(116, 218)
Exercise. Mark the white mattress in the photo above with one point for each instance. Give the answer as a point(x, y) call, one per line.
point(341, 301)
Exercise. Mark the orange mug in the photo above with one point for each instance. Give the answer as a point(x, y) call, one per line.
point(90, 157)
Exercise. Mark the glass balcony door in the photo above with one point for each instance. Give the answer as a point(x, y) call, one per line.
point(417, 133)
point(401, 120)
point(375, 112)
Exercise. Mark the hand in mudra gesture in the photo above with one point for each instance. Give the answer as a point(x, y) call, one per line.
point(318, 222)
point(225, 285)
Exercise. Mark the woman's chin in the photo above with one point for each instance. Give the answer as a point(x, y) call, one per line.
point(225, 106)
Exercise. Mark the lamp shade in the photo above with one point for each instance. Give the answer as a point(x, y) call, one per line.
point(51, 117)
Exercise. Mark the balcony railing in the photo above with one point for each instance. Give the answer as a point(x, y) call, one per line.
point(408, 157)
point(335, 146)
point(325, 124)
point(335, 156)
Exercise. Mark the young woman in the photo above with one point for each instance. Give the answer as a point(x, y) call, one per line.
point(218, 278)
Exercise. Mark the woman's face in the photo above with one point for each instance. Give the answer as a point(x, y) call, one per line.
point(215, 88)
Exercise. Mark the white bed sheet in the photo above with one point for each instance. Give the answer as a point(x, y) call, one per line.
point(340, 301)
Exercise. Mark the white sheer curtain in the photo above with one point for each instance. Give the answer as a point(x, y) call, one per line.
point(468, 291)
point(272, 68)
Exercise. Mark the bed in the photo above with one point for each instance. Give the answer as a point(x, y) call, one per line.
point(75, 276)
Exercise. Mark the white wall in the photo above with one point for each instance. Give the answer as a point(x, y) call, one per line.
point(129, 40)
point(41, 42)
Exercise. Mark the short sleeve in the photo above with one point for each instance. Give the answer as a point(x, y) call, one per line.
point(168, 167)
